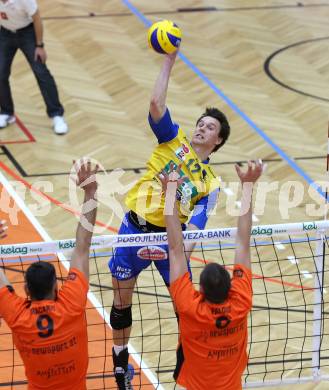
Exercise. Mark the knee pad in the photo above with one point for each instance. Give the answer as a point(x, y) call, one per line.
point(120, 318)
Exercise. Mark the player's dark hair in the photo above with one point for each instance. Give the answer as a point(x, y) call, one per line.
point(216, 283)
point(40, 278)
point(224, 125)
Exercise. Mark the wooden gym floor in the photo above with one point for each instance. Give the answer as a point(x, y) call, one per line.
point(264, 63)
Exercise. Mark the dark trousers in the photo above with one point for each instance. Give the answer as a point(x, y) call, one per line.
point(24, 39)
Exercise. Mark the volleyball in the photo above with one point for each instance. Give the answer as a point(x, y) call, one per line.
point(164, 37)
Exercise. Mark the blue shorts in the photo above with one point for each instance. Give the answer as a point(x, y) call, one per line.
point(128, 262)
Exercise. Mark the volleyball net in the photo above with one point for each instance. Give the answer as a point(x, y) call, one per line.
point(288, 325)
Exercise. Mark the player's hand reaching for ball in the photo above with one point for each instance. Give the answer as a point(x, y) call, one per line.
point(172, 56)
point(170, 59)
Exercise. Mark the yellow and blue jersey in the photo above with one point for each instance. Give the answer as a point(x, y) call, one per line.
point(198, 193)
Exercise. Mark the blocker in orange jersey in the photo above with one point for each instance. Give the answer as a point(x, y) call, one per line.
point(213, 336)
point(54, 332)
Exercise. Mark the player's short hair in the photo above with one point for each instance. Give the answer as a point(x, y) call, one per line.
point(215, 282)
point(224, 125)
point(40, 278)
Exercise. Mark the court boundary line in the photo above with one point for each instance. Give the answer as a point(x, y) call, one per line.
point(92, 298)
point(233, 106)
point(270, 74)
point(24, 130)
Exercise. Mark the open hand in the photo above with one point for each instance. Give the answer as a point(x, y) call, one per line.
point(86, 176)
point(253, 172)
point(171, 177)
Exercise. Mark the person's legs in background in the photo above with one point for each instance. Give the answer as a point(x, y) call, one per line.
point(46, 82)
point(8, 48)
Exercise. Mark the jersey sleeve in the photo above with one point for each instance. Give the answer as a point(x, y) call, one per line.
point(165, 130)
point(73, 293)
point(31, 7)
point(11, 305)
point(183, 293)
point(241, 290)
point(202, 209)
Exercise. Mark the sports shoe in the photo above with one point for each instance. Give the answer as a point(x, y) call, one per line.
point(121, 372)
point(6, 120)
point(60, 126)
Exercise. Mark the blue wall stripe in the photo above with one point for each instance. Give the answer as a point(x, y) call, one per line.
point(234, 107)
point(136, 12)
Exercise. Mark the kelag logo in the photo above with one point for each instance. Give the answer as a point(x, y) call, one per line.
point(66, 245)
point(261, 231)
point(309, 226)
point(13, 251)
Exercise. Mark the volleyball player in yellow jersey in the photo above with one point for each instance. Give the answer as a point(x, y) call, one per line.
point(196, 196)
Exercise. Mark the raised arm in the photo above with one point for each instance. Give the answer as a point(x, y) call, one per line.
point(159, 94)
point(86, 179)
point(177, 259)
point(3, 279)
point(248, 179)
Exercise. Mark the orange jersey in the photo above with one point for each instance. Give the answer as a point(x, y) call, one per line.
point(51, 336)
point(214, 336)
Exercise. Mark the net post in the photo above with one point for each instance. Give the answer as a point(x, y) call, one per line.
point(317, 309)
